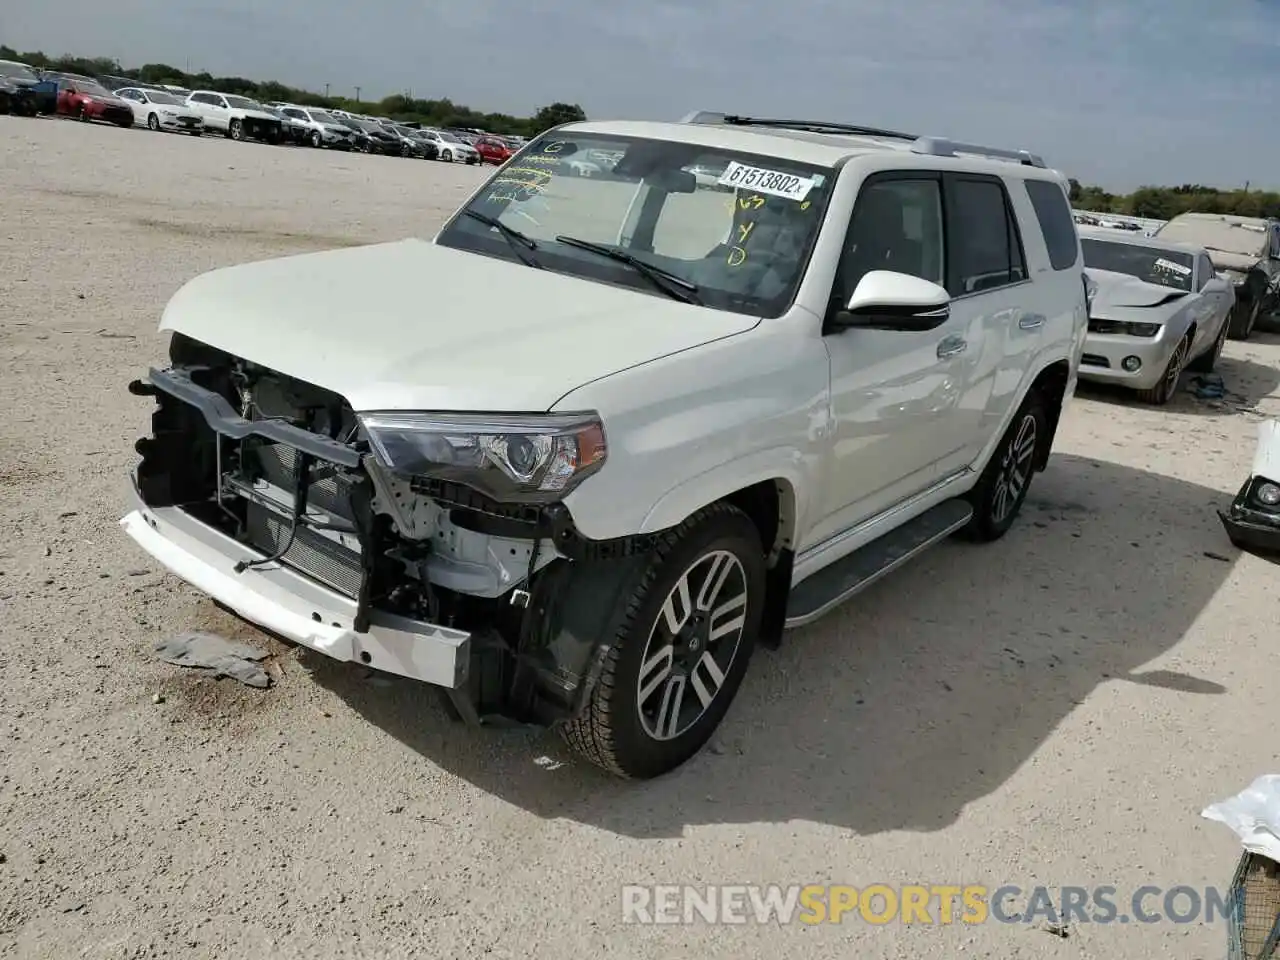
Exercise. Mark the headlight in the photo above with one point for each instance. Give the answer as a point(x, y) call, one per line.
point(513, 458)
point(1122, 328)
point(1267, 493)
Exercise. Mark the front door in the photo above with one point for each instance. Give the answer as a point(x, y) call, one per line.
point(894, 395)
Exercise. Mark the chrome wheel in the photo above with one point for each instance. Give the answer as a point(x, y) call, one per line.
point(1015, 470)
point(1174, 371)
point(692, 645)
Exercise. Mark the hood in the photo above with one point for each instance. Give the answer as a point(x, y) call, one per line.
point(1122, 290)
point(345, 320)
point(1238, 262)
point(249, 113)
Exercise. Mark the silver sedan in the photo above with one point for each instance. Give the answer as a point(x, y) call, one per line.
point(1156, 309)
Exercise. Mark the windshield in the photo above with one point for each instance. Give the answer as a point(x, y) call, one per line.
point(448, 137)
point(242, 103)
point(155, 96)
point(1168, 268)
point(93, 89)
point(741, 236)
point(319, 116)
point(10, 69)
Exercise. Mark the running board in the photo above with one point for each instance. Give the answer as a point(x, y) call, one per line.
point(833, 585)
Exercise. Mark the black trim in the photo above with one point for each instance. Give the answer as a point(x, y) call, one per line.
point(1252, 526)
point(220, 417)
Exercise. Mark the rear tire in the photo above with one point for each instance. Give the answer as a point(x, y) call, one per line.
point(1003, 486)
point(1244, 316)
point(680, 650)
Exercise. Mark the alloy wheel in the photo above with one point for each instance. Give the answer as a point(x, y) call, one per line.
point(1173, 372)
point(692, 645)
point(1015, 470)
point(153, 122)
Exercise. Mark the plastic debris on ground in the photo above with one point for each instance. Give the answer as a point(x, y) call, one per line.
point(218, 655)
point(1208, 386)
point(1254, 816)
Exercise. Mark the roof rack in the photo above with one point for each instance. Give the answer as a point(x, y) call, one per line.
point(926, 146)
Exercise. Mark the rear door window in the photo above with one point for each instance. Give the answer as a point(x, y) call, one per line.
point(1056, 223)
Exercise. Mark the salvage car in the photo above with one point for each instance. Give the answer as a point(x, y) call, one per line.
point(23, 92)
point(238, 117)
point(323, 130)
point(293, 130)
point(1253, 519)
point(86, 99)
point(372, 137)
point(160, 110)
point(710, 418)
point(493, 150)
point(1159, 308)
point(1246, 250)
point(450, 147)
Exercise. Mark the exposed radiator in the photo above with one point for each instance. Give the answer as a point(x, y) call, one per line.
point(311, 553)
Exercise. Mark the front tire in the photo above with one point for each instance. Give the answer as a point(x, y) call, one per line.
point(235, 130)
point(1003, 485)
point(681, 649)
point(153, 123)
point(1163, 391)
point(1209, 359)
point(447, 156)
point(316, 139)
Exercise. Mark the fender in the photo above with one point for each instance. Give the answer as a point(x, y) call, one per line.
point(789, 464)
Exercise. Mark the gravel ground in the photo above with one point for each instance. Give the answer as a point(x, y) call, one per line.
point(1052, 709)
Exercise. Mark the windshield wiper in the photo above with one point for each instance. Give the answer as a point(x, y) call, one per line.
point(675, 287)
point(514, 237)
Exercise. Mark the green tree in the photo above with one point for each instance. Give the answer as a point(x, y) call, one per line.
point(556, 114)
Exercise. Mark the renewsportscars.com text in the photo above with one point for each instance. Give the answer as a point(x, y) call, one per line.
point(940, 904)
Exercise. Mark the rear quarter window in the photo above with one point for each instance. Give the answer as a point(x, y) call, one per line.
point(1056, 223)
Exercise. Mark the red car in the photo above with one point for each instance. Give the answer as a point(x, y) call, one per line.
point(493, 150)
point(87, 99)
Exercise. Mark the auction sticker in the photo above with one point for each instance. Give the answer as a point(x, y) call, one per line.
point(1175, 267)
point(761, 180)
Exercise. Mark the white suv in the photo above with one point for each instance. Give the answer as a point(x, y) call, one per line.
point(692, 415)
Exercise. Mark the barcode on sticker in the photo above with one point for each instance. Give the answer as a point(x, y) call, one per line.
point(771, 182)
point(1175, 267)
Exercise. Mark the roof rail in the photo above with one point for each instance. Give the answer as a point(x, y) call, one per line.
point(926, 146)
point(812, 126)
point(942, 147)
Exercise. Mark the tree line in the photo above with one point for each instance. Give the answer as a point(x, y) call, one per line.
point(433, 113)
point(1165, 203)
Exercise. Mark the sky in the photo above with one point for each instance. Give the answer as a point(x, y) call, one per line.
point(1119, 93)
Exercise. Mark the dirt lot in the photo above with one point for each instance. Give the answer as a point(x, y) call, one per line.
point(1052, 709)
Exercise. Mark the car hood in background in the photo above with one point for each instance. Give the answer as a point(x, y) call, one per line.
point(1122, 290)
point(345, 320)
point(254, 114)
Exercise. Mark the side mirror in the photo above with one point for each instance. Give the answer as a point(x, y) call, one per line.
point(887, 300)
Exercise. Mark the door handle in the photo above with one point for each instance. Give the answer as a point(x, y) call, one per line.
point(951, 347)
point(1030, 321)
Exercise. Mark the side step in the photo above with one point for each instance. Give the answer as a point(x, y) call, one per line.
point(833, 585)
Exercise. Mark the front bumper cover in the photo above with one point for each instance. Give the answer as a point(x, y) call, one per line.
point(1252, 529)
point(293, 606)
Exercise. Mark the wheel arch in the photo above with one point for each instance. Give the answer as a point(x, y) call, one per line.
point(1050, 384)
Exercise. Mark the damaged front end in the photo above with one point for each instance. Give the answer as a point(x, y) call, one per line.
point(427, 547)
point(1253, 519)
